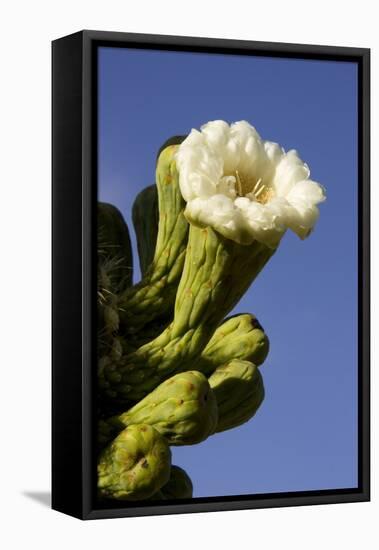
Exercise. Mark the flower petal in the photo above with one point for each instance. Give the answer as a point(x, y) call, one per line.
point(289, 170)
point(278, 193)
point(303, 219)
point(307, 191)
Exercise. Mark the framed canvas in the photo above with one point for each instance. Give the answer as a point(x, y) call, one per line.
point(210, 275)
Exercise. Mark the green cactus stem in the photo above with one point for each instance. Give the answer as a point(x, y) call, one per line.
point(135, 465)
point(216, 273)
point(148, 333)
point(239, 391)
point(115, 271)
point(154, 296)
point(239, 337)
point(179, 486)
point(114, 247)
point(183, 409)
point(145, 215)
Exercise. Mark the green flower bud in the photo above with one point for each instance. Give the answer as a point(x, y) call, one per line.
point(183, 409)
point(239, 337)
point(135, 465)
point(178, 486)
point(239, 391)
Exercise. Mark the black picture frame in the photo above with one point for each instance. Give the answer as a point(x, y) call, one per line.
point(74, 175)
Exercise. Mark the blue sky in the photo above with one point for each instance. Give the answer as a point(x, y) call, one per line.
point(304, 436)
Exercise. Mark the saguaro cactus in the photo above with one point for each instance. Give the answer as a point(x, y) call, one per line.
point(172, 370)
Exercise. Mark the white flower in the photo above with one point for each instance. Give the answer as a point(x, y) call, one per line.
point(245, 188)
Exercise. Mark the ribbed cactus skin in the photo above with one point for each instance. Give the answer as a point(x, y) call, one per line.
point(135, 465)
point(145, 215)
point(239, 337)
point(217, 272)
point(154, 296)
point(179, 486)
point(115, 271)
point(239, 391)
point(183, 409)
point(149, 332)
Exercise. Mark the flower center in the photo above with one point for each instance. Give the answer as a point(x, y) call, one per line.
point(255, 190)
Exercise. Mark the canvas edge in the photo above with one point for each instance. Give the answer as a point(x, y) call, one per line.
point(89, 41)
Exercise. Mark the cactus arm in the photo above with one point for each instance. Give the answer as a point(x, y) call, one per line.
point(154, 296)
point(135, 465)
point(115, 271)
point(114, 246)
point(239, 391)
point(145, 215)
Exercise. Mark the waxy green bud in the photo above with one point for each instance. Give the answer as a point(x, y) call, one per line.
point(135, 465)
point(239, 391)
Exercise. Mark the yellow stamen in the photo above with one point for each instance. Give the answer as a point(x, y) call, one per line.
point(261, 192)
point(256, 185)
point(267, 195)
point(257, 193)
point(239, 183)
